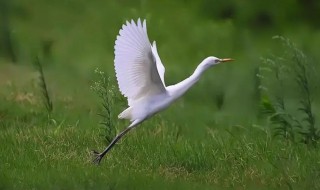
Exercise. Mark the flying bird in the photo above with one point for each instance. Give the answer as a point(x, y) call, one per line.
point(140, 76)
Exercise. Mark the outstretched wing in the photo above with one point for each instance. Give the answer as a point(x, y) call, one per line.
point(135, 62)
point(160, 66)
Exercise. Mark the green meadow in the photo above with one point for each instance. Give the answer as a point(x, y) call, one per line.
point(248, 124)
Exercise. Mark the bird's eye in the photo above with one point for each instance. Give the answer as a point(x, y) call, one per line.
point(217, 61)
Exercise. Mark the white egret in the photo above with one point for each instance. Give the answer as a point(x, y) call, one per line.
point(140, 76)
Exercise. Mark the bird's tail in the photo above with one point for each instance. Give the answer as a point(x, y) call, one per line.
point(126, 114)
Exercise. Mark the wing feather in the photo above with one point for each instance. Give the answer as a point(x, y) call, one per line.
point(137, 63)
point(160, 67)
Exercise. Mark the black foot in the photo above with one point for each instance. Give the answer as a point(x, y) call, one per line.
point(97, 157)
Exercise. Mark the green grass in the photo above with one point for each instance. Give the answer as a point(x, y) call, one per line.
point(49, 156)
point(212, 138)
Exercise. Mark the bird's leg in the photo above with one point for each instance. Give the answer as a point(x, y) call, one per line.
point(99, 156)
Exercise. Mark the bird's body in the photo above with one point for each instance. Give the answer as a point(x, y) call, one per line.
point(149, 105)
point(140, 76)
point(146, 107)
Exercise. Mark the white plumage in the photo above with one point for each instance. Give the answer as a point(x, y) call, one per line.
point(140, 76)
point(136, 63)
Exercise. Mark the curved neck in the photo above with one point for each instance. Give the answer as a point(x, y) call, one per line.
point(180, 88)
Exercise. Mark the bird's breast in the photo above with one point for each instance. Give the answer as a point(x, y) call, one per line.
point(158, 103)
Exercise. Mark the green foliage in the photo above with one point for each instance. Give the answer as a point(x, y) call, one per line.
point(302, 71)
point(43, 86)
point(278, 117)
point(291, 65)
point(7, 48)
point(53, 158)
point(105, 90)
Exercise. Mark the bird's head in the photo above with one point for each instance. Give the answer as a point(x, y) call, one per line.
point(211, 61)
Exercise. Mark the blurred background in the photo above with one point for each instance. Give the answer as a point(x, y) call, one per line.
point(74, 37)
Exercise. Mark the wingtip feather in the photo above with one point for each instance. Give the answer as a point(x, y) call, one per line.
point(145, 25)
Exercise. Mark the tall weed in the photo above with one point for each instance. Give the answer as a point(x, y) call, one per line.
point(277, 71)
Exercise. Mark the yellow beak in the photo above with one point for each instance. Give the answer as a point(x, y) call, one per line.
point(226, 60)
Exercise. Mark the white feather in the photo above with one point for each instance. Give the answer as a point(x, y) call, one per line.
point(140, 76)
point(139, 70)
point(160, 67)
